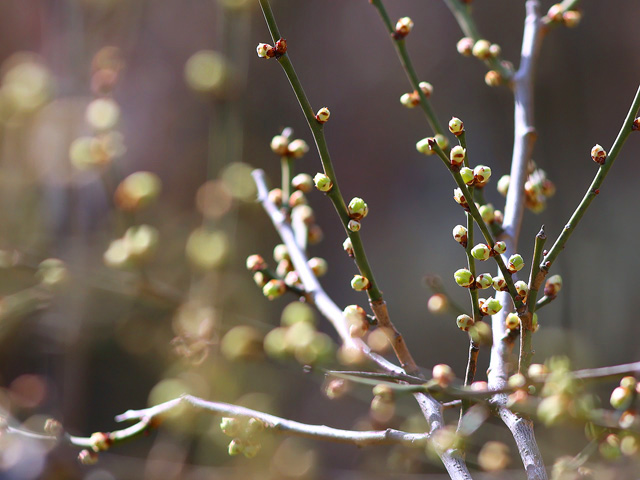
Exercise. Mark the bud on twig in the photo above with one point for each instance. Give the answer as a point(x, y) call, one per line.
point(354, 225)
point(323, 182)
point(256, 263)
point(463, 277)
point(467, 175)
point(348, 247)
point(515, 263)
point(481, 252)
point(443, 375)
point(427, 88)
point(464, 322)
point(264, 50)
point(280, 145)
point(522, 288)
point(323, 115)
point(403, 28)
point(636, 124)
point(553, 285)
point(481, 49)
point(512, 322)
point(297, 148)
point(598, 154)
point(457, 155)
point(484, 280)
point(491, 306)
point(500, 284)
point(359, 283)
point(281, 47)
point(465, 46)
point(460, 235)
point(499, 247)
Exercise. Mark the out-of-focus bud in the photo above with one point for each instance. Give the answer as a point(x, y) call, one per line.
point(621, 398)
point(275, 197)
point(503, 184)
point(297, 199)
point(487, 213)
point(553, 285)
point(481, 49)
point(438, 304)
point(274, 288)
point(493, 78)
point(427, 88)
point(302, 182)
point(495, 50)
point(443, 374)
point(297, 148)
point(423, 146)
point(280, 145)
point(137, 191)
point(571, 18)
point(318, 265)
point(442, 141)
point(87, 457)
point(409, 100)
point(280, 252)
point(555, 12)
point(403, 27)
point(465, 46)
point(256, 263)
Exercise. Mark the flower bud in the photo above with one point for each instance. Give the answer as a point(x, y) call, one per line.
point(512, 321)
point(315, 235)
point(480, 333)
point(354, 225)
point(442, 141)
point(254, 426)
point(456, 126)
point(251, 449)
point(359, 283)
point(495, 50)
point(464, 322)
point(302, 182)
point(323, 115)
point(292, 279)
point(493, 78)
point(571, 18)
point(481, 252)
point(137, 191)
point(438, 304)
point(256, 263)
point(230, 426)
point(53, 427)
point(515, 263)
point(498, 217)
point(100, 441)
point(458, 196)
point(281, 46)
point(537, 372)
point(348, 247)
point(235, 447)
point(280, 145)
point(260, 279)
point(336, 388)
point(87, 457)
point(318, 266)
point(274, 288)
point(522, 288)
point(403, 27)
point(443, 374)
point(629, 382)
point(482, 174)
point(275, 197)
point(553, 285)
point(555, 12)
point(427, 88)
point(280, 252)
point(503, 184)
point(357, 208)
point(322, 182)
point(354, 314)
point(491, 306)
point(264, 50)
point(358, 330)
point(409, 100)
point(499, 284)
point(297, 199)
point(463, 277)
point(384, 392)
point(460, 234)
point(517, 380)
point(465, 46)
point(467, 175)
point(297, 148)
point(598, 154)
point(457, 155)
point(481, 49)
point(636, 124)
point(499, 247)
point(621, 398)
point(484, 280)
point(487, 213)
point(304, 214)
point(423, 146)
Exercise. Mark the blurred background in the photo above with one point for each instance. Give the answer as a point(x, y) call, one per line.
point(152, 298)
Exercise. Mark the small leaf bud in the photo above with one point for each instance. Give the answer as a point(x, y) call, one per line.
point(230, 426)
point(318, 266)
point(302, 182)
point(235, 447)
point(636, 124)
point(457, 155)
point(481, 252)
point(442, 141)
point(467, 175)
point(275, 197)
point(495, 50)
point(621, 398)
point(464, 322)
point(279, 145)
point(571, 18)
point(357, 208)
point(280, 252)
point(423, 146)
point(500, 284)
point(515, 263)
point(274, 288)
point(465, 46)
point(463, 277)
point(323, 115)
point(555, 12)
point(322, 182)
point(484, 280)
point(264, 50)
point(427, 88)
point(456, 126)
point(438, 304)
point(481, 49)
point(598, 154)
point(255, 263)
point(482, 173)
point(348, 247)
point(493, 78)
point(354, 225)
point(491, 306)
point(281, 46)
point(360, 283)
point(403, 27)
point(408, 100)
point(460, 234)
point(512, 321)
point(87, 457)
point(553, 285)
point(499, 247)
point(297, 148)
point(487, 213)
point(443, 374)
point(522, 288)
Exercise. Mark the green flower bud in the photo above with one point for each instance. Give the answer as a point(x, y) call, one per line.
point(481, 49)
point(598, 154)
point(463, 277)
point(522, 288)
point(484, 280)
point(456, 126)
point(499, 247)
point(360, 283)
point(481, 252)
point(235, 447)
point(464, 322)
point(443, 374)
point(487, 213)
point(553, 285)
point(552, 409)
point(280, 145)
point(230, 426)
point(357, 208)
point(427, 88)
point(467, 175)
point(512, 321)
point(482, 174)
point(465, 46)
point(297, 148)
point(491, 306)
point(323, 115)
point(403, 27)
point(323, 182)
point(423, 146)
point(256, 263)
point(318, 265)
point(274, 288)
point(409, 100)
point(354, 225)
point(264, 50)
point(442, 141)
point(457, 155)
point(355, 314)
point(621, 398)
point(280, 253)
point(500, 284)
point(460, 234)
point(515, 263)
point(503, 184)
point(348, 247)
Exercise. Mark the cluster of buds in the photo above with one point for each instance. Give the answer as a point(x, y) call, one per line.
point(598, 154)
point(244, 432)
point(403, 28)
point(623, 395)
point(537, 188)
point(482, 49)
point(281, 145)
point(136, 247)
point(464, 278)
point(264, 50)
point(357, 210)
point(478, 177)
point(552, 286)
point(558, 14)
point(427, 145)
point(411, 100)
point(483, 252)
